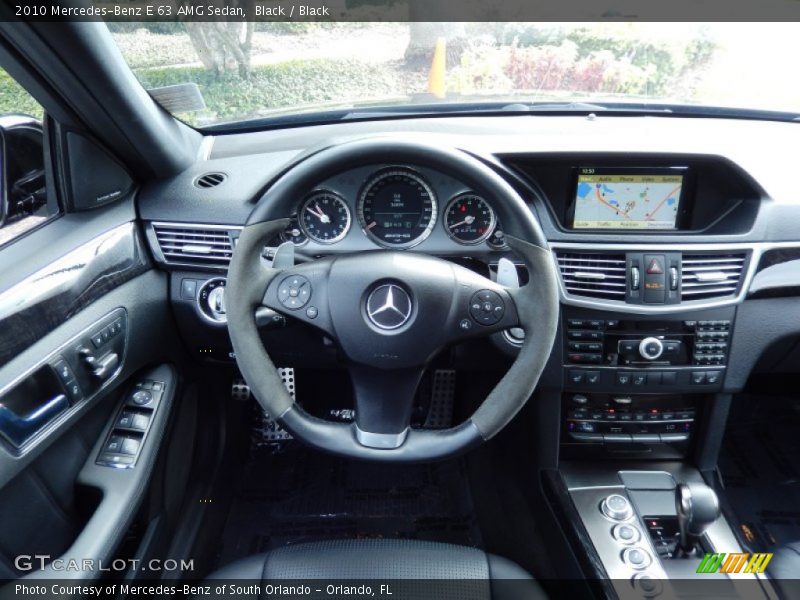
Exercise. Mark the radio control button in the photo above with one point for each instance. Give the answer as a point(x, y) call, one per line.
point(651, 348)
point(672, 348)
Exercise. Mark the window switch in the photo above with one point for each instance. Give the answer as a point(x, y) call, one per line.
point(126, 419)
point(140, 422)
point(130, 445)
point(114, 444)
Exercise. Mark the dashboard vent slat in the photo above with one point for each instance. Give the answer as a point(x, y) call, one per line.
point(593, 274)
point(210, 180)
point(194, 245)
point(707, 276)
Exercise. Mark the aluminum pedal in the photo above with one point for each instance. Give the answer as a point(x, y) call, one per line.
point(266, 431)
point(443, 393)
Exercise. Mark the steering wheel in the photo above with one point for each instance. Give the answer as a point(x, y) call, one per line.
point(391, 312)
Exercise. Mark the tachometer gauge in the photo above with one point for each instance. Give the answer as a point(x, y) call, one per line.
point(469, 219)
point(397, 208)
point(324, 217)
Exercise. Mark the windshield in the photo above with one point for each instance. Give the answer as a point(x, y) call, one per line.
point(241, 71)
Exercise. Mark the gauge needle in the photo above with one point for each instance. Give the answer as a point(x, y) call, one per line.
point(319, 214)
point(468, 220)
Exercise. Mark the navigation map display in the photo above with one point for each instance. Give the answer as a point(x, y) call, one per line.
point(618, 200)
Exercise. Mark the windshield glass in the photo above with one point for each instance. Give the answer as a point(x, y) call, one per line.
point(240, 71)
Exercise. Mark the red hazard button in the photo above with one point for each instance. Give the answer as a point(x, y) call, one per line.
point(655, 268)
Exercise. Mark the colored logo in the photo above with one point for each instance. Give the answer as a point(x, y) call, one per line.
point(737, 562)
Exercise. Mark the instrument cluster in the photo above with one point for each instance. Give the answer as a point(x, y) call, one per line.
point(396, 207)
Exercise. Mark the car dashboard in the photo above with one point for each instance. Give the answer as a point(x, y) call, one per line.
point(652, 294)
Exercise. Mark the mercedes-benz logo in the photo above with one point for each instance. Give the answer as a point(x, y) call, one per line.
point(389, 306)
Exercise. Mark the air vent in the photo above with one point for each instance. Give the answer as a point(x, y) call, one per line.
point(593, 274)
point(194, 244)
point(706, 276)
point(210, 180)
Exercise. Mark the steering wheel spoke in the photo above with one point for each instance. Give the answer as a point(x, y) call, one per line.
point(383, 401)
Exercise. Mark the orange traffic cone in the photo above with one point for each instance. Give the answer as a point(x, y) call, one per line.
point(436, 77)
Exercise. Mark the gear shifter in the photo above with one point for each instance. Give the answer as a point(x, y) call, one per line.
point(697, 506)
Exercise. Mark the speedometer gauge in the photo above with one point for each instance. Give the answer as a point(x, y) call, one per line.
point(469, 219)
point(325, 217)
point(397, 208)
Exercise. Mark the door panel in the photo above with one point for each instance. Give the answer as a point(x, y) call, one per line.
point(36, 305)
point(54, 499)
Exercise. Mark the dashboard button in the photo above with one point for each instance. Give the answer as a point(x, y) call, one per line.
point(586, 437)
point(653, 378)
point(639, 378)
point(585, 359)
point(576, 377)
point(585, 335)
point(623, 378)
point(698, 377)
point(669, 378)
point(713, 377)
point(617, 438)
point(592, 377)
point(188, 289)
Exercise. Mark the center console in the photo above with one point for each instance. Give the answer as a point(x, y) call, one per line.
point(640, 381)
point(642, 541)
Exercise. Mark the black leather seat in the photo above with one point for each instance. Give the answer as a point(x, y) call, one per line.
point(412, 569)
point(784, 570)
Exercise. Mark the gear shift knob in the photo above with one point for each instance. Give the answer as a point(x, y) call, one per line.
point(697, 506)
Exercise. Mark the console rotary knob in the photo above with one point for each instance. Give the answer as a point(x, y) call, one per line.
point(651, 348)
point(616, 507)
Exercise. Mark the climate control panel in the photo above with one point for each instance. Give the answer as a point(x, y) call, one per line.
point(615, 419)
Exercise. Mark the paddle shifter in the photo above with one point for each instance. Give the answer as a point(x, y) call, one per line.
point(697, 506)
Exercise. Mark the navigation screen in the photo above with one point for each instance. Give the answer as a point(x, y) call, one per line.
point(606, 200)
